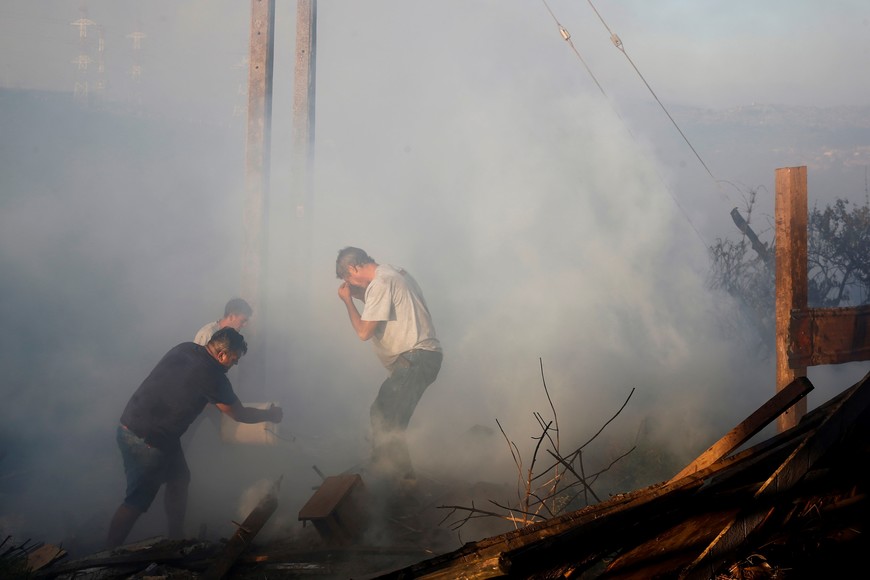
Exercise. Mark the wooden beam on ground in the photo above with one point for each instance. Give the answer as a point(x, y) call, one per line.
point(244, 535)
point(517, 551)
point(44, 556)
point(181, 553)
point(824, 336)
point(757, 421)
point(840, 419)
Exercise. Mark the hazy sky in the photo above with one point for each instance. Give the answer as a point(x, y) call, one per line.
point(707, 53)
point(464, 141)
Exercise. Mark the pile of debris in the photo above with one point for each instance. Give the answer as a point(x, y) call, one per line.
point(793, 506)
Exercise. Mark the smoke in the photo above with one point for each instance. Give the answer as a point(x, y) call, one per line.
point(463, 143)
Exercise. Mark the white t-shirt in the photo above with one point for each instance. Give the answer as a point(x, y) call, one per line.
point(394, 298)
point(205, 333)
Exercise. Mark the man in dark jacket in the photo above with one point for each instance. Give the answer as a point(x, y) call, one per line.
point(185, 380)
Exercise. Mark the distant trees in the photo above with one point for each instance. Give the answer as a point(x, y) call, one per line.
point(838, 265)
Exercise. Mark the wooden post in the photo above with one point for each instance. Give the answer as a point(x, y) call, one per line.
point(257, 166)
point(791, 277)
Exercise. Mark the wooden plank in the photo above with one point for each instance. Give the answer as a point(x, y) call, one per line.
point(517, 551)
point(821, 336)
point(791, 276)
point(664, 551)
point(244, 535)
point(586, 536)
point(43, 556)
point(840, 417)
point(183, 553)
point(328, 496)
point(757, 421)
point(607, 529)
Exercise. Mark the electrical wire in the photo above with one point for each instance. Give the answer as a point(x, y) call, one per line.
point(567, 37)
point(617, 42)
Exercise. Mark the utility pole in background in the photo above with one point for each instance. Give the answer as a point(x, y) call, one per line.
point(257, 165)
point(303, 103)
point(302, 155)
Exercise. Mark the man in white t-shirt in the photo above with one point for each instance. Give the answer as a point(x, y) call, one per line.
point(237, 312)
point(397, 320)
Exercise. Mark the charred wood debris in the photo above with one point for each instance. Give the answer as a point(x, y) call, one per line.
point(792, 506)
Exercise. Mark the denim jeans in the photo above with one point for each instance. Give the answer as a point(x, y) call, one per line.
point(392, 410)
point(147, 468)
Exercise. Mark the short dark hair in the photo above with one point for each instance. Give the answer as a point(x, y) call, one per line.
point(228, 339)
point(348, 257)
point(238, 306)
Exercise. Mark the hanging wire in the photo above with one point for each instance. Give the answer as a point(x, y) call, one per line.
point(567, 37)
point(617, 42)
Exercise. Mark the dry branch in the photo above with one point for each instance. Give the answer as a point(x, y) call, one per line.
point(550, 498)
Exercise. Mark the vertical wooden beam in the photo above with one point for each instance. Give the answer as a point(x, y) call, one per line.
point(791, 277)
point(257, 166)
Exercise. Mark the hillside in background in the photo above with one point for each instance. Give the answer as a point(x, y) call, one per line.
point(835, 139)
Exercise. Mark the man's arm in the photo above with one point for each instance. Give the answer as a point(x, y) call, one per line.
point(242, 414)
point(365, 329)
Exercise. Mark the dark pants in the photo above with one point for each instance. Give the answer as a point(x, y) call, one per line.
point(391, 412)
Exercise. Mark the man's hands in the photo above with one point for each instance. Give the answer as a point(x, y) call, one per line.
point(243, 414)
point(364, 329)
point(344, 292)
point(347, 291)
point(276, 414)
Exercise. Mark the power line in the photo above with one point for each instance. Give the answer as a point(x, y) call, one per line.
point(617, 42)
point(567, 37)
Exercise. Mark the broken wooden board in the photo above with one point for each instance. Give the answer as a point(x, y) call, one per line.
point(752, 425)
point(629, 530)
point(183, 553)
point(850, 409)
point(244, 535)
point(336, 509)
point(43, 556)
point(821, 336)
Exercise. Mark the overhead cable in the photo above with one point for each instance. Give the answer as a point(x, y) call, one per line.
point(617, 42)
point(567, 37)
